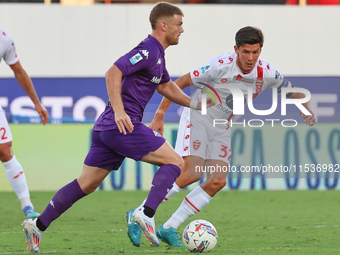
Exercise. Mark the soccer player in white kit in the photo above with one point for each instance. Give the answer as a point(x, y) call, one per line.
point(14, 171)
point(201, 144)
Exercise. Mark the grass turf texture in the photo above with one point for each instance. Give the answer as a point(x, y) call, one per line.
point(248, 222)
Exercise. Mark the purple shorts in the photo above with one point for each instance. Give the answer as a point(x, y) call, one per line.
point(109, 148)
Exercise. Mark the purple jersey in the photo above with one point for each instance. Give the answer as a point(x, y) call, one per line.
point(143, 70)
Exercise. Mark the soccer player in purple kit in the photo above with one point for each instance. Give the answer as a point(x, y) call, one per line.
point(119, 133)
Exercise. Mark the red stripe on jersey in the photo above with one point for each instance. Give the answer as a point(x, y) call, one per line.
point(259, 72)
point(186, 199)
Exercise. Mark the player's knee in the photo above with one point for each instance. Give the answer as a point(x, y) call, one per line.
point(5, 154)
point(217, 183)
point(89, 189)
point(178, 161)
point(186, 178)
point(87, 186)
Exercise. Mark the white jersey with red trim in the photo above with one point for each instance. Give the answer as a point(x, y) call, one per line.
point(219, 73)
point(7, 52)
point(7, 49)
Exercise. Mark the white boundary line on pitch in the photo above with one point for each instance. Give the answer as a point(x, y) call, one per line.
point(296, 227)
point(120, 230)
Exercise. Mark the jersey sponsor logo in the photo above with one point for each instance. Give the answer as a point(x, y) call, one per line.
point(221, 61)
point(260, 62)
point(231, 59)
point(187, 137)
point(186, 148)
point(189, 126)
point(205, 68)
point(196, 144)
point(196, 73)
point(224, 80)
point(240, 78)
point(145, 53)
point(135, 59)
point(268, 66)
point(3, 33)
point(159, 61)
point(156, 79)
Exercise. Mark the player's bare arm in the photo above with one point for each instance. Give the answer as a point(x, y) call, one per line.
point(308, 119)
point(114, 87)
point(171, 91)
point(157, 123)
point(27, 85)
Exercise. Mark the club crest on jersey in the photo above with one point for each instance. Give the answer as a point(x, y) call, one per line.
point(145, 53)
point(135, 59)
point(196, 144)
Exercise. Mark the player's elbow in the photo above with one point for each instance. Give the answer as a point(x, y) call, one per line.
point(113, 72)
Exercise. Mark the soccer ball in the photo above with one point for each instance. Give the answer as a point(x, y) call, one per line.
point(200, 236)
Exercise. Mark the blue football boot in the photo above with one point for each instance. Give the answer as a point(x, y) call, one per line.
point(30, 213)
point(133, 230)
point(169, 236)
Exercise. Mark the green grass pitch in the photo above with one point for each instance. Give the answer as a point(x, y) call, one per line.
point(248, 222)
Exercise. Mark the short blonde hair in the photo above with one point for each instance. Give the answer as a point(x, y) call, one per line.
point(163, 9)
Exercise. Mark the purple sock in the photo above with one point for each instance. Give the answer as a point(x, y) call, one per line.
point(61, 201)
point(162, 182)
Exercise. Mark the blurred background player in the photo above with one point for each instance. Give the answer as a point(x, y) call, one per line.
point(201, 144)
point(119, 133)
point(15, 173)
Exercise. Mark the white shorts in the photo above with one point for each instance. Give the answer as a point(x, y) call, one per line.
point(197, 136)
point(182, 146)
point(5, 132)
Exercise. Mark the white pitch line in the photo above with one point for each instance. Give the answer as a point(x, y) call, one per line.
point(316, 226)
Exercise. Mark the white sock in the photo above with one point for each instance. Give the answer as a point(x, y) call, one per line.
point(142, 203)
point(16, 177)
point(194, 202)
point(174, 190)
